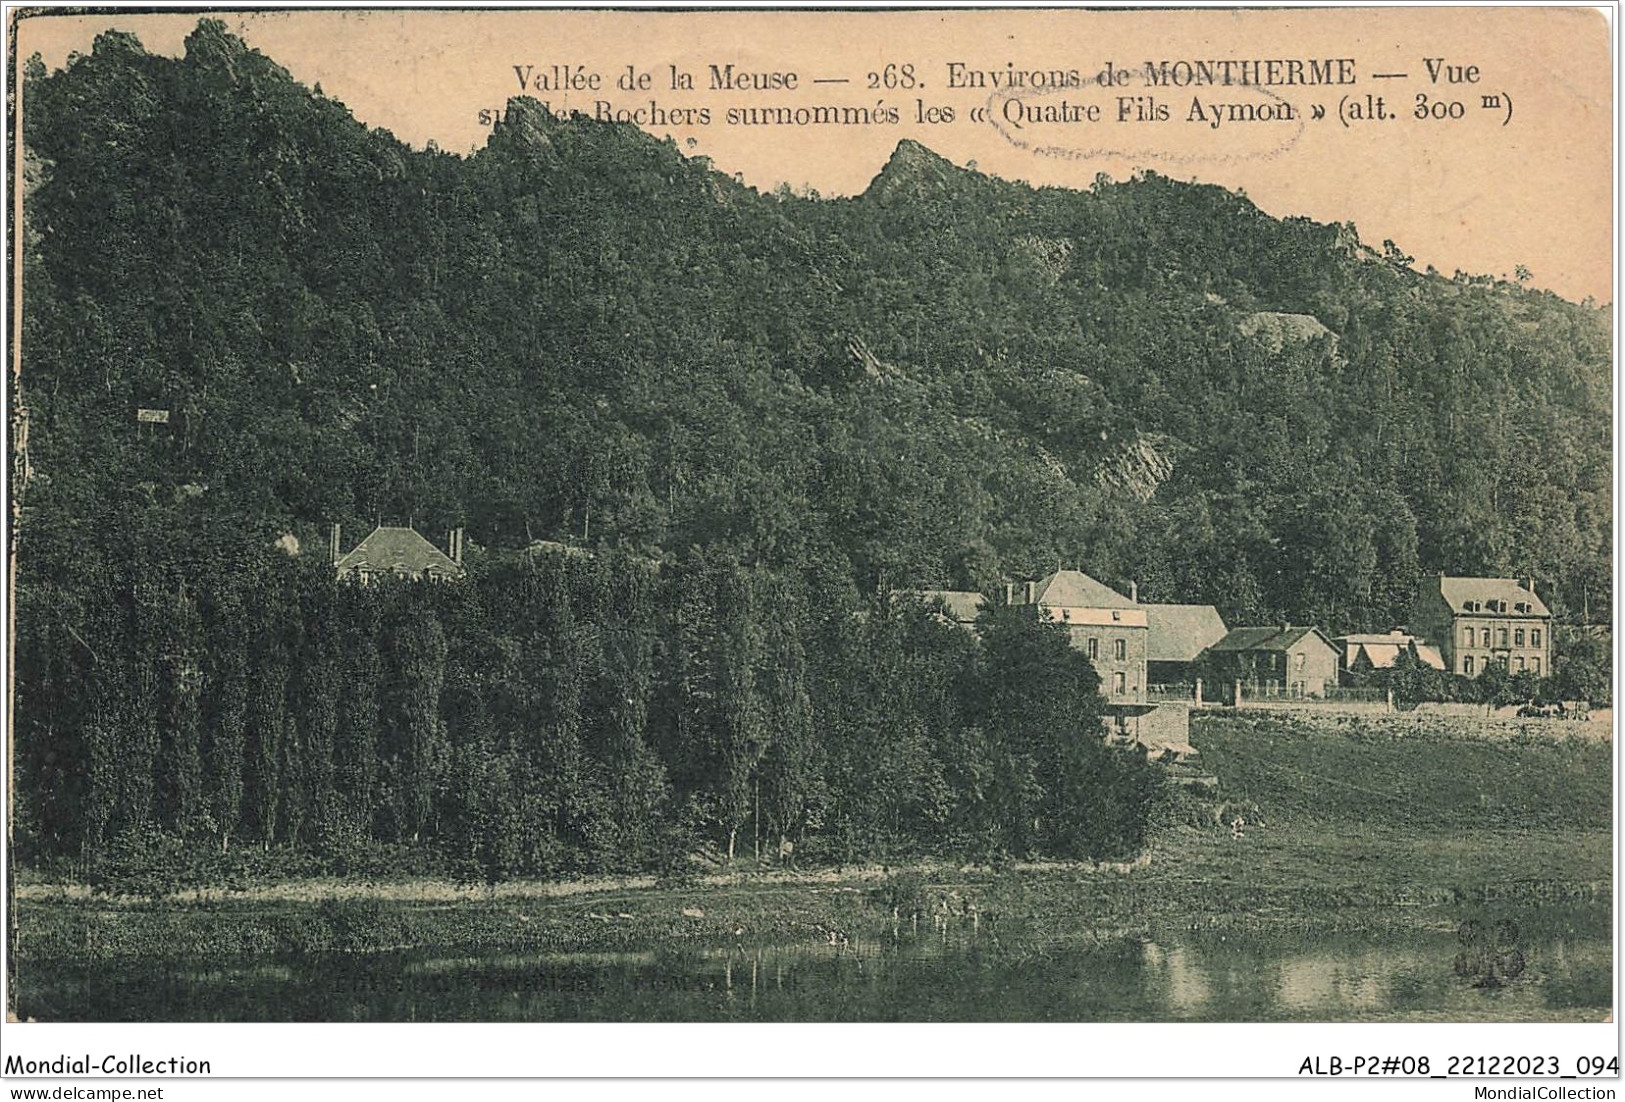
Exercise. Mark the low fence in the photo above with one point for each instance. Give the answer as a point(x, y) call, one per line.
point(1332, 698)
point(1248, 694)
point(1500, 724)
point(1335, 694)
point(1365, 700)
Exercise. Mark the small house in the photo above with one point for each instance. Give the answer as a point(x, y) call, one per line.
point(399, 553)
point(1366, 653)
point(1269, 662)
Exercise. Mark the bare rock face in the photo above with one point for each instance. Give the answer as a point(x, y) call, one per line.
point(912, 172)
point(1137, 467)
point(528, 123)
point(1278, 330)
point(1047, 257)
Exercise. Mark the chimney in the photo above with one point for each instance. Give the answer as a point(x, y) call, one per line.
point(1032, 592)
point(334, 545)
point(1529, 583)
point(457, 546)
point(1134, 592)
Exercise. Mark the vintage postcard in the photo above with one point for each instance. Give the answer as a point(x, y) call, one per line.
point(1059, 516)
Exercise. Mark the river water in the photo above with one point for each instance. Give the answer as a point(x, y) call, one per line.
point(1468, 974)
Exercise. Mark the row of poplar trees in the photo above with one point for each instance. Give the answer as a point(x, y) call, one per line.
point(553, 714)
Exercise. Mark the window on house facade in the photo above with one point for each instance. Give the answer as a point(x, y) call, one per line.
point(1301, 658)
point(1120, 649)
point(1534, 637)
point(1467, 665)
point(1094, 648)
point(1116, 615)
point(1517, 637)
point(1120, 683)
point(1503, 635)
point(1520, 663)
point(1468, 637)
point(1534, 666)
point(1485, 641)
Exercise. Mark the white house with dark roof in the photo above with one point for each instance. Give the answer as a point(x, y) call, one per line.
point(1475, 621)
point(399, 553)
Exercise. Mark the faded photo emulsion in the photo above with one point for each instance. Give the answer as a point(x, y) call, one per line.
point(812, 516)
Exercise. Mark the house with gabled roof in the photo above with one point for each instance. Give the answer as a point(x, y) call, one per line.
point(1279, 661)
point(399, 553)
point(1476, 621)
point(1368, 652)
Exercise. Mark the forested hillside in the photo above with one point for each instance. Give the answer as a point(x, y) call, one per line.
point(577, 334)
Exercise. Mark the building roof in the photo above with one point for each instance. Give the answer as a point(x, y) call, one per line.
point(1393, 638)
point(1267, 639)
point(1379, 650)
point(1075, 589)
point(1181, 632)
point(962, 606)
point(399, 551)
point(1382, 651)
point(1496, 596)
point(1382, 656)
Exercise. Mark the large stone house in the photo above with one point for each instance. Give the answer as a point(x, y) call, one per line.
point(1111, 629)
point(1287, 661)
point(1475, 621)
point(399, 553)
point(1116, 634)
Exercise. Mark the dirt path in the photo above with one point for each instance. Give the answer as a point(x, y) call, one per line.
point(317, 890)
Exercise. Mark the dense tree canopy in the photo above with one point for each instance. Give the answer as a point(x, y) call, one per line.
point(760, 410)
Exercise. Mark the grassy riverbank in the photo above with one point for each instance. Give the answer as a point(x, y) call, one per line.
point(1346, 828)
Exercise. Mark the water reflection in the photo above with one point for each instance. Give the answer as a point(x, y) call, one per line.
point(1186, 986)
point(939, 975)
